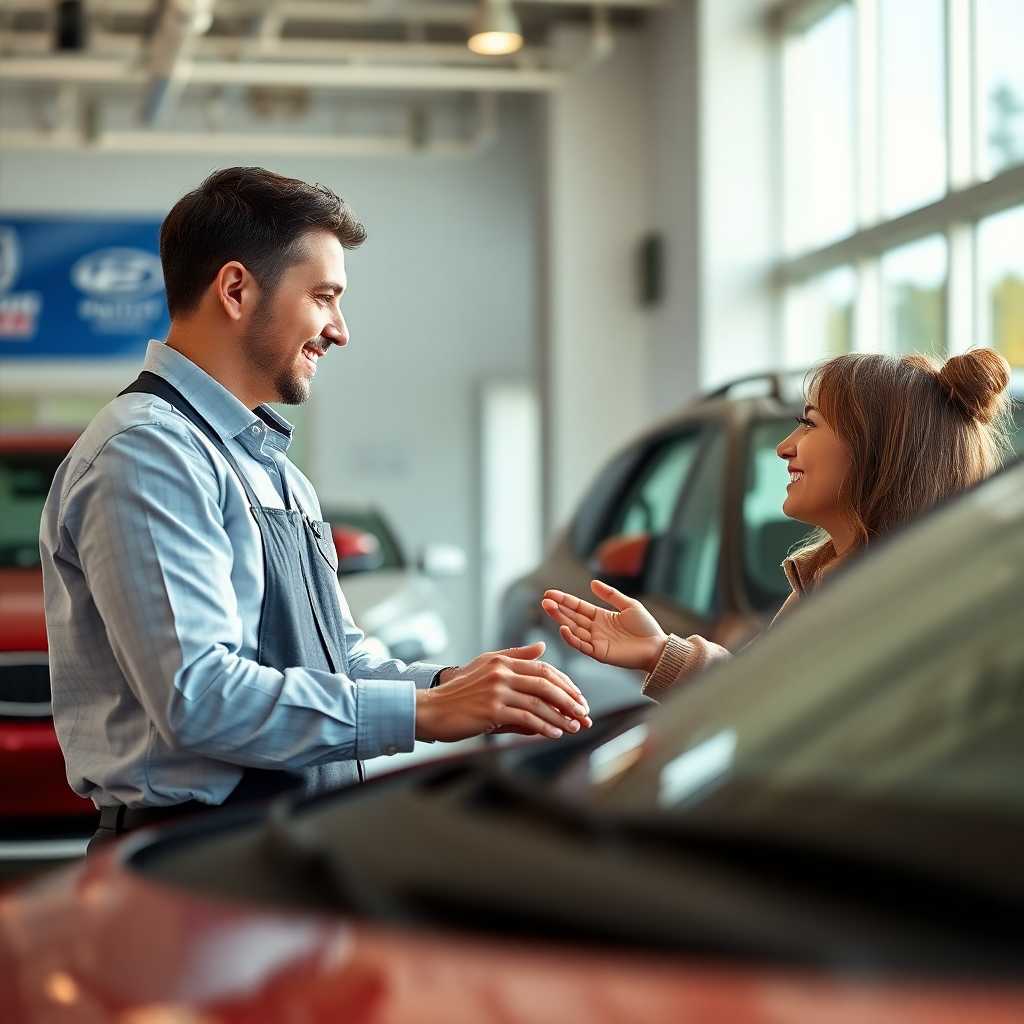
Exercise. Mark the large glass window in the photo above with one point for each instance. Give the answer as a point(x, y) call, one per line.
point(936, 100)
point(913, 102)
point(1001, 277)
point(819, 317)
point(999, 29)
point(914, 285)
point(818, 126)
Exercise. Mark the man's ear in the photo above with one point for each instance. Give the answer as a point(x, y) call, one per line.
point(235, 289)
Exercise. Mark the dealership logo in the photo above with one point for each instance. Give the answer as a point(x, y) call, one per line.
point(118, 273)
point(120, 286)
point(19, 312)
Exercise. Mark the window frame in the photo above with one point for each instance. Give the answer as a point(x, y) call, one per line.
point(968, 198)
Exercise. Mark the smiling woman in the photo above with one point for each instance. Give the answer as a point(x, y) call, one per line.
point(882, 439)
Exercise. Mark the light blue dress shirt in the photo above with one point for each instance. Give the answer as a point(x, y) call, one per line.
point(153, 582)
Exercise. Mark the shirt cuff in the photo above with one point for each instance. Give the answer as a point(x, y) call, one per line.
point(385, 718)
point(422, 674)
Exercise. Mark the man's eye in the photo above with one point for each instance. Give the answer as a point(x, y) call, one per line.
point(326, 297)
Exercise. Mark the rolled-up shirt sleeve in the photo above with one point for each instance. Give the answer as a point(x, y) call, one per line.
point(146, 522)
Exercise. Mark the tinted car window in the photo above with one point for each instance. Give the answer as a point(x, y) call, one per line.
point(588, 527)
point(25, 479)
point(650, 503)
point(768, 535)
point(686, 568)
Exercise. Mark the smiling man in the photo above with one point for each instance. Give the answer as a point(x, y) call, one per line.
point(201, 651)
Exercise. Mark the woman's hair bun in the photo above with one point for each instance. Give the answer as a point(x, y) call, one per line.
point(977, 382)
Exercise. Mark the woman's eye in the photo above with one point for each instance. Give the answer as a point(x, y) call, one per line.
point(804, 421)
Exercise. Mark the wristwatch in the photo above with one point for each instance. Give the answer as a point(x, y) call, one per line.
point(667, 668)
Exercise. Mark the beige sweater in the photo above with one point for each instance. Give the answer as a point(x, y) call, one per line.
point(804, 574)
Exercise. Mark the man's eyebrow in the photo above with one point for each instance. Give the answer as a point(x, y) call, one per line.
point(329, 286)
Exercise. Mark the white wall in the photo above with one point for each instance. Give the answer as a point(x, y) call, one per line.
point(598, 142)
point(443, 295)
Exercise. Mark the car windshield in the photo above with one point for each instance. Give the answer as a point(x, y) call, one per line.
point(903, 686)
point(25, 479)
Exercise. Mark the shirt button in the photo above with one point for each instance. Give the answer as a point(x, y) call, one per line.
point(391, 749)
point(255, 428)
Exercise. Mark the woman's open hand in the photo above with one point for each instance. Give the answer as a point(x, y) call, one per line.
point(628, 637)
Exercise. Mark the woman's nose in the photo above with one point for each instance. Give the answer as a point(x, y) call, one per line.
point(787, 447)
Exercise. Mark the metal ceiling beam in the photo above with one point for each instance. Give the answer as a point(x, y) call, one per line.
point(88, 70)
point(129, 46)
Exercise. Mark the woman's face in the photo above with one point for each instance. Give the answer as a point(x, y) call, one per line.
point(818, 463)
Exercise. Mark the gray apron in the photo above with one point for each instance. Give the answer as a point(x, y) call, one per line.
point(300, 621)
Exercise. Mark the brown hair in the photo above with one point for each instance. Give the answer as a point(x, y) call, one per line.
point(251, 215)
point(918, 430)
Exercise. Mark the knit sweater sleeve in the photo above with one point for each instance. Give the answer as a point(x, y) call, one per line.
point(694, 654)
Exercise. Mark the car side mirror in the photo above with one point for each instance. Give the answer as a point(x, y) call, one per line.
point(621, 560)
point(442, 560)
point(358, 551)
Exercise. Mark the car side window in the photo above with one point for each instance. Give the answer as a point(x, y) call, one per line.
point(768, 535)
point(685, 569)
point(651, 501)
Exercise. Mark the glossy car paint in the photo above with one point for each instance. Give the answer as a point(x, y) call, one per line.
point(97, 943)
point(31, 762)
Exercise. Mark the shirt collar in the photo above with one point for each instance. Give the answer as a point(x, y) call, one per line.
point(219, 407)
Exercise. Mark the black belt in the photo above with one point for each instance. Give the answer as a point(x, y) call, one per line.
point(118, 818)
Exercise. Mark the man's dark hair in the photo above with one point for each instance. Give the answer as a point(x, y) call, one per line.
point(250, 215)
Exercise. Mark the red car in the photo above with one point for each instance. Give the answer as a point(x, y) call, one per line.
point(36, 801)
point(41, 818)
point(824, 830)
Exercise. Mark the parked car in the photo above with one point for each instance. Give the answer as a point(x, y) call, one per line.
point(41, 818)
point(824, 829)
point(688, 518)
point(394, 599)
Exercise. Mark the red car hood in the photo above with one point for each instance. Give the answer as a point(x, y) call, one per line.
point(98, 943)
point(22, 622)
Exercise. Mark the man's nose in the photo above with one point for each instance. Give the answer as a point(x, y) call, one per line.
point(337, 332)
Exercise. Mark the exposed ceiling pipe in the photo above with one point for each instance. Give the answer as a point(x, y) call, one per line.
point(87, 70)
point(177, 24)
point(485, 131)
point(257, 47)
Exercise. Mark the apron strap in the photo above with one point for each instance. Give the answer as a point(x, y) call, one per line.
point(151, 384)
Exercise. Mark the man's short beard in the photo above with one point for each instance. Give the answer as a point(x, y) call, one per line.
point(291, 387)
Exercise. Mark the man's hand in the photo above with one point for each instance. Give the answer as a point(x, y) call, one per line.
point(628, 637)
point(502, 691)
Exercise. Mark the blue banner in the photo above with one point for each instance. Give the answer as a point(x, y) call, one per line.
point(76, 288)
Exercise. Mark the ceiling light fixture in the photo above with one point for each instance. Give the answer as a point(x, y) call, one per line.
point(496, 30)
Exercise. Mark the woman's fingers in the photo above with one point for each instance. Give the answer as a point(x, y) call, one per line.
point(565, 616)
point(571, 603)
point(581, 645)
point(614, 597)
